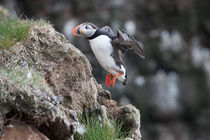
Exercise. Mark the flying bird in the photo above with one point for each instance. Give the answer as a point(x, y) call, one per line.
point(109, 49)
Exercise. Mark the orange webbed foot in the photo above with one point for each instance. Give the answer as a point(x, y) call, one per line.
point(108, 80)
point(114, 79)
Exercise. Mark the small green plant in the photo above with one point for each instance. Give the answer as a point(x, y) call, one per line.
point(98, 129)
point(14, 29)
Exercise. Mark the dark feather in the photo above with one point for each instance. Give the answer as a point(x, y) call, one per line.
point(124, 41)
point(118, 57)
point(117, 53)
point(108, 30)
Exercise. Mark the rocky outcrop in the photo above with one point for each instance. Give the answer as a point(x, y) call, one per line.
point(18, 131)
point(47, 83)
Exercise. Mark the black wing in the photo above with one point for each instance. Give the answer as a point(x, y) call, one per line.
point(117, 54)
point(124, 41)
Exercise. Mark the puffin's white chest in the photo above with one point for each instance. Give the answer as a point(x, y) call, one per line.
point(102, 49)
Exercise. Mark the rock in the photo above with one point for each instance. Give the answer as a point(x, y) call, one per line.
point(130, 117)
point(49, 82)
point(20, 131)
point(3, 11)
point(99, 111)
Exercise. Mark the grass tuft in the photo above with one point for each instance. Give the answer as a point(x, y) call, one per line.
point(97, 129)
point(14, 29)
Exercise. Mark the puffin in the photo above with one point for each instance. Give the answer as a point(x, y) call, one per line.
point(109, 49)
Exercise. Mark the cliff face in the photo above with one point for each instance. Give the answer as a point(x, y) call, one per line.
point(45, 82)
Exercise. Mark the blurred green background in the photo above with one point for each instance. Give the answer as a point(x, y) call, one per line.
point(172, 86)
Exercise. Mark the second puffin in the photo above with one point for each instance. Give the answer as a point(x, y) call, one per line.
point(109, 49)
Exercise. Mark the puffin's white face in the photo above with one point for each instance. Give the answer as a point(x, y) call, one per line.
point(84, 29)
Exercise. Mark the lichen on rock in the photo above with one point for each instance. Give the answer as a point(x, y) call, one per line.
point(3, 11)
point(49, 82)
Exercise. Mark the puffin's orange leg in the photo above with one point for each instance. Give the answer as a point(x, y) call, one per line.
point(114, 79)
point(108, 80)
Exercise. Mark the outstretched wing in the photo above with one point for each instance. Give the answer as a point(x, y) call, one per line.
point(124, 41)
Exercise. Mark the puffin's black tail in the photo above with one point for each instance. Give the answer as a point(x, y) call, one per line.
point(124, 82)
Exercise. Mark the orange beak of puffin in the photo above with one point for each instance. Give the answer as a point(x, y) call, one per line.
point(76, 31)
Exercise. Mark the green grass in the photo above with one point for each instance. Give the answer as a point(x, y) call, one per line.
point(14, 29)
point(99, 130)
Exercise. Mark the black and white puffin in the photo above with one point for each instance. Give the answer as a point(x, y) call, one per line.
point(109, 49)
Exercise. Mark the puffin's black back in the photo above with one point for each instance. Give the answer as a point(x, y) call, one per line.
point(106, 30)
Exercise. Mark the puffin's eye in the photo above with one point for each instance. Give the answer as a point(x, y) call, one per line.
point(86, 27)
